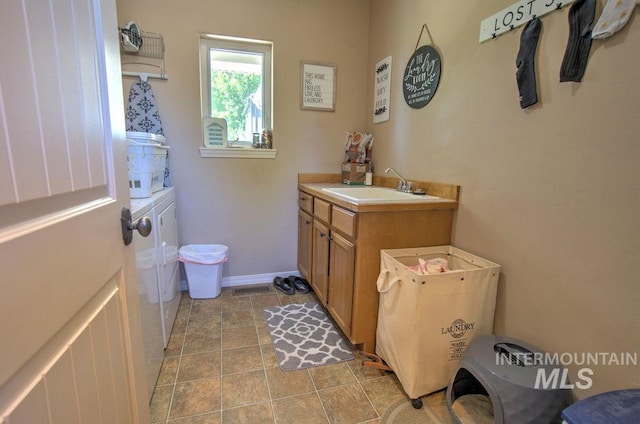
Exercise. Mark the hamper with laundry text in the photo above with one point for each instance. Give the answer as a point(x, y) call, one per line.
point(426, 322)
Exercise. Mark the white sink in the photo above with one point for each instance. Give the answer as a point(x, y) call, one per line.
point(370, 194)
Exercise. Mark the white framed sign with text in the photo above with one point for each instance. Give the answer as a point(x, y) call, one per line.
point(382, 90)
point(318, 86)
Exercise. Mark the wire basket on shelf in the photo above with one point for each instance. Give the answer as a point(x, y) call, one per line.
point(141, 48)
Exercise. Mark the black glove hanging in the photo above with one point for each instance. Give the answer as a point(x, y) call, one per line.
point(525, 61)
point(574, 63)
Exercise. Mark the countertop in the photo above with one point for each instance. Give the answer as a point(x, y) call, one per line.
point(316, 189)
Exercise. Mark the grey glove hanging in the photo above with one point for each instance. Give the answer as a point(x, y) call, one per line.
point(525, 61)
point(576, 56)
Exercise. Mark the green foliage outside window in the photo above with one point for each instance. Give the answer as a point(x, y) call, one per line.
point(230, 93)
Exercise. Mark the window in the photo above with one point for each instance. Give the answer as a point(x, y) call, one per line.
point(235, 84)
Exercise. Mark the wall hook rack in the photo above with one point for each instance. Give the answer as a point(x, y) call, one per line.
point(517, 14)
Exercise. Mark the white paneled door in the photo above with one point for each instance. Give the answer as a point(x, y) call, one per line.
point(71, 345)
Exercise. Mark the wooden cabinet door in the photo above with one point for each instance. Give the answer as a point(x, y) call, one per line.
point(320, 262)
point(305, 231)
point(342, 262)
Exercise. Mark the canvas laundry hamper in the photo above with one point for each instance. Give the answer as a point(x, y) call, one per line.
point(426, 322)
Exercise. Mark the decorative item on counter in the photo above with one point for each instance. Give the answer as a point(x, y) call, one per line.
point(525, 61)
point(358, 147)
point(368, 178)
point(214, 131)
point(422, 74)
point(267, 139)
point(263, 140)
point(355, 173)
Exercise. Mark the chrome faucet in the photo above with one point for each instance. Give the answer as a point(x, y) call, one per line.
point(403, 185)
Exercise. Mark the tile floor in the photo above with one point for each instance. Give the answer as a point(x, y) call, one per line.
point(220, 367)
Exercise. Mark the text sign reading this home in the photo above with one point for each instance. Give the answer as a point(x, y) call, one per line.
point(317, 87)
point(517, 14)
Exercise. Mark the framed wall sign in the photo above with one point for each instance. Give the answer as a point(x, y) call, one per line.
point(421, 77)
point(382, 91)
point(214, 131)
point(318, 91)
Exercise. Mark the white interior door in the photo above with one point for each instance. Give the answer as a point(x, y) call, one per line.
point(69, 321)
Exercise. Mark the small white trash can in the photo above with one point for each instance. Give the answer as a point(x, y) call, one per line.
point(203, 266)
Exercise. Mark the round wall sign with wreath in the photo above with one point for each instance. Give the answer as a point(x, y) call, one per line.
point(422, 75)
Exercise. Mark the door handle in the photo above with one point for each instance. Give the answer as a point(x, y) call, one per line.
point(143, 225)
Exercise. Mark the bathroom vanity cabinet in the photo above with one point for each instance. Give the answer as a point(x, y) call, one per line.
point(339, 245)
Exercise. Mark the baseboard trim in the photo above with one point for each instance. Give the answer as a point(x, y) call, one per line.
point(246, 280)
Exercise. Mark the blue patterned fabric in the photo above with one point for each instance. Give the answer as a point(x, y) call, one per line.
point(142, 112)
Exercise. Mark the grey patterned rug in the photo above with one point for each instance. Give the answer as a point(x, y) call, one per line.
point(303, 337)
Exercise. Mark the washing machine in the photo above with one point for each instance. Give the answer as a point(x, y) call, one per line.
point(166, 232)
point(147, 273)
point(158, 275)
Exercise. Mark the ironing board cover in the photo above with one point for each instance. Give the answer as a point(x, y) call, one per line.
point(142, 112)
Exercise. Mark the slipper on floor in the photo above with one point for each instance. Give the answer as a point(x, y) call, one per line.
point(300, 284)
point(284, 285)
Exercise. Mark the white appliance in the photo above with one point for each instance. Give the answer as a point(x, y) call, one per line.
point(158, 276)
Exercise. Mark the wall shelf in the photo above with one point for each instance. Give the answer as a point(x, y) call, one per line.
point(151, 53)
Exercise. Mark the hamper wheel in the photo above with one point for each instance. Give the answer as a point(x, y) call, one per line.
point(416, 403)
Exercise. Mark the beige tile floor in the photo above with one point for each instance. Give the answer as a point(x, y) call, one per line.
point(220, 367)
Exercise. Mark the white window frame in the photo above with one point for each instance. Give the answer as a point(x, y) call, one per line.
point(208, 41)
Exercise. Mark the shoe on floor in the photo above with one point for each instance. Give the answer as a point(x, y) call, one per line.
point(284, 285)
point(300, 284)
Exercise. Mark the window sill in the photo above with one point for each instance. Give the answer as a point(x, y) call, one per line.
point(238, 153)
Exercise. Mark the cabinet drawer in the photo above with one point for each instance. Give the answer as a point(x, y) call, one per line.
point(321, 210)
point(343, 220)
point(305, 201)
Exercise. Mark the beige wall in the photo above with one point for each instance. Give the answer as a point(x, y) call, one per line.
point(250, 204)
point(551, 193)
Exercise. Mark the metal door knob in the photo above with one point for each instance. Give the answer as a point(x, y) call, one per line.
point(143, 226)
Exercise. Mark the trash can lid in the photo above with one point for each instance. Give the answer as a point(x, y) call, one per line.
point(204, 253)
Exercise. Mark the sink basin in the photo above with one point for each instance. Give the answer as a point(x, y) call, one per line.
point(371, 194)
